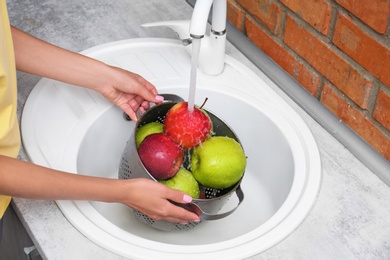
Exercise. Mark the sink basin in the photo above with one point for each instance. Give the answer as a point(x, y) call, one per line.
point(73, 129)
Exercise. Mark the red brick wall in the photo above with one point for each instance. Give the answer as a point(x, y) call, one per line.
point(338, 50)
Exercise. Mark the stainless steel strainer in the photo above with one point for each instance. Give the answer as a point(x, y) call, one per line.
point(211, 200)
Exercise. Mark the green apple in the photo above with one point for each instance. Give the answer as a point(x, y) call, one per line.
point(184, 181)
point(147, 129)
point(219, 162)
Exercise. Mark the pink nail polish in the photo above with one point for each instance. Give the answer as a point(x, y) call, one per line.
point(160, 98)
point(187, 198)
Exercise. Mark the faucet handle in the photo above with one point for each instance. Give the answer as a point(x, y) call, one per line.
point(181, 27)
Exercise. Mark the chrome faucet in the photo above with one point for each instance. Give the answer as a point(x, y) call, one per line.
point(212, 50)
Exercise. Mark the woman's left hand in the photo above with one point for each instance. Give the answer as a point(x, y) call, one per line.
point(130, 92)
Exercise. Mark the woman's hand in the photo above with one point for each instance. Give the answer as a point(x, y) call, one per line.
point(145, 195)
point(125, 89)
point(130, 92)
point(153, 199)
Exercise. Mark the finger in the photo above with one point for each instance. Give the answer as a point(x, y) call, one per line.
point(134, 104)
point(182, 215)
point(178, 196)
point(149, 86)
point(145, 105)
point(138, 102)
point(130, 112)
point(148, 91)
point(186, 216)
point(182, 198)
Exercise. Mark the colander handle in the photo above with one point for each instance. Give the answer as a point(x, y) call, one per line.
point(206, 216)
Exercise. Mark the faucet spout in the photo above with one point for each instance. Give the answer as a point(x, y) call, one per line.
point(212, 54)
point(212, 51)
point(200, 15)
point(199, 18)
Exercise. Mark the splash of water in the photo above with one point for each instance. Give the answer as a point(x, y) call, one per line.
point(194, 68)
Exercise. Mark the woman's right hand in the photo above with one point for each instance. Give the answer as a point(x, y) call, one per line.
point(153, 199)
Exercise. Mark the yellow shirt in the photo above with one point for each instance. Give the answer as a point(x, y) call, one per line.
point(9, 129)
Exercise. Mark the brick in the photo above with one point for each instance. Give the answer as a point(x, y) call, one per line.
point(316, 12)
point(327, 62)
point(306, 77)
point(235, 15)
point(382, 109)
point(375, 13)
point(356, 120)
point(361, 47)
point(264, 11)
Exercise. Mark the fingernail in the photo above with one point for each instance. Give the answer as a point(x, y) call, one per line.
point(159, 98)
point(187, 198)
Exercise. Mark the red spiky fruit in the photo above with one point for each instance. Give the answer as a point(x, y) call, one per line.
point(187, 128)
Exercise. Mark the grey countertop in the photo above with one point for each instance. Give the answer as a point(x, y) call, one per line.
point(350, 219)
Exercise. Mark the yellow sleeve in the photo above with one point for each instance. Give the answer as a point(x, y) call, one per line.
point(4, 202)
point(9, 128)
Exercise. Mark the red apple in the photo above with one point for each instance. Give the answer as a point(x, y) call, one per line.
point(161, 156)
point(187, 128)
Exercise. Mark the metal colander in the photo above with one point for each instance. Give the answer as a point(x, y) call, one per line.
point(211, 200)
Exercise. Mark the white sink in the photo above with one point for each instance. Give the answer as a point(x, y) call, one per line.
point(73, 129)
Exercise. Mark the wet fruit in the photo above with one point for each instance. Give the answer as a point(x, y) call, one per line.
point(184, 181)
point(219, 162)
point(187, 128)
point(160, 155)
point(147, 129)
